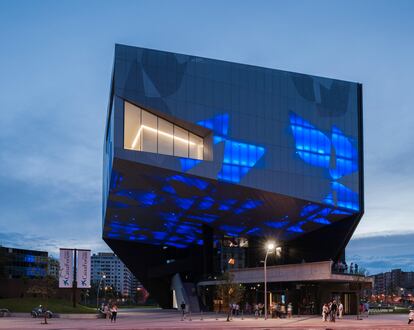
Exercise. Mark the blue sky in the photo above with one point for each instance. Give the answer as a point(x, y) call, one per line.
point(55, 66)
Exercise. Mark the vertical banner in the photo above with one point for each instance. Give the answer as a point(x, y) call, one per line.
point(83, 270)
point(66, 268)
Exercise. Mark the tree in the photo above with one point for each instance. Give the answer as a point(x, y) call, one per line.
point(229, 292)
point(45, 289)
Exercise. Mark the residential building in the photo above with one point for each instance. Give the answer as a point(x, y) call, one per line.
point(53, 267)
point(393, 282)
point(117, 275)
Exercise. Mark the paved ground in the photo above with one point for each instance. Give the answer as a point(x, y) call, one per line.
point(161, 319)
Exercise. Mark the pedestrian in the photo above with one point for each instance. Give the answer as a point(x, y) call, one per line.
point(351, 268)
point(356, 268)
point(289, 310)
point(334, 310)
point(114, 311)
point(182, 309)
point(325, 311)
point(411, 316)
point(256, 311)
point(107, 314)
point(340, 310)
point(367, 308)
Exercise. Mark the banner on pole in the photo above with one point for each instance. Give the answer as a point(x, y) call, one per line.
point(66, 268)
point(83, 270)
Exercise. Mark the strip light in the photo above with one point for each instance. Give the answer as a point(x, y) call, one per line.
point(134, 143)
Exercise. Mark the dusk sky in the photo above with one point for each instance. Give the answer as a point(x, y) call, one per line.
point(55, 67)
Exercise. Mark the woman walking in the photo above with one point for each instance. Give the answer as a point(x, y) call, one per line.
point(114, 310)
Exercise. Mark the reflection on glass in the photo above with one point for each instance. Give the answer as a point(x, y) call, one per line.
point(144, 131)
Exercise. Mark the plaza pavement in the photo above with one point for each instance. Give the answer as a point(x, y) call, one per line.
point(156, 319)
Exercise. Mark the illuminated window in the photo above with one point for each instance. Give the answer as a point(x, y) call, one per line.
point(144, 131)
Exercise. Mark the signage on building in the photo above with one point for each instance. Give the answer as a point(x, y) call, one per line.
point(83, 273)
point(66, 268)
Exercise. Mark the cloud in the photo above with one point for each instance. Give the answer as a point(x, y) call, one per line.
point(383, 253)
point(46, 243)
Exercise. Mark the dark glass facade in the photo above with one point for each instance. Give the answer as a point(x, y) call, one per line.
point(281, 158)
point(19, 263)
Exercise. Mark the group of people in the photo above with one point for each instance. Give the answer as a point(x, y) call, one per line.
point(109, 311)
point(278, 310)
point(342, 267)
point(332, 310)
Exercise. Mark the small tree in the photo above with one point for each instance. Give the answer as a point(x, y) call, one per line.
point(229, 292)
point(45, 289)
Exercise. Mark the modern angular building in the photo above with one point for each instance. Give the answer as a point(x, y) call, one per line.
point(206, 160)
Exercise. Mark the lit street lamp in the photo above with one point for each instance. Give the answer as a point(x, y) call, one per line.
point(97, 294)
point(270, 247)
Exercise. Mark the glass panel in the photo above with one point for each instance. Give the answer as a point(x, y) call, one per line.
point(165, 137)
point(180, 142)
point(196, 147)
point(149, 132)
point(132, 124)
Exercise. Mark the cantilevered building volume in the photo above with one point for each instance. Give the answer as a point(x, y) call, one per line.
point(205, 160)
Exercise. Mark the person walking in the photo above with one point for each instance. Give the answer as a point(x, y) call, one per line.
point(340, 310)
point(114, 311)
point(334, 310)
point(411, 316)
point(182, 310)
point(107, 313)
point(289, 310)
point(325, 312)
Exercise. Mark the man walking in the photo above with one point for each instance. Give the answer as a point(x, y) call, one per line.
point(340, 310)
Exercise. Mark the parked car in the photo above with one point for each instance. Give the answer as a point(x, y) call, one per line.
point(40, 311)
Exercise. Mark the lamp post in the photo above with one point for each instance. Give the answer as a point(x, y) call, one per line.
point(97, 294)
point(270, 246)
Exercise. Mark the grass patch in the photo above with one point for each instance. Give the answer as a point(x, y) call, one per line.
point(25, 305)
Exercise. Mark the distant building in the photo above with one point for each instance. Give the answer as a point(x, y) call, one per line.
point(392, 281)
point(117, 275)
point(20, 263)
point(53, 267)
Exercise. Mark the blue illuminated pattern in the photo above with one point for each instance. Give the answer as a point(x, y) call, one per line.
point(337, 155)
point(346, 155)
point(345, 197)
point(189, 211)
point(218, 124)
point(312, 145)
point(188, 163)
point(239, 157)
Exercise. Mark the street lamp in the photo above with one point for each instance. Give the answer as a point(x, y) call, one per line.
point(270, 247)
point(97, 294)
